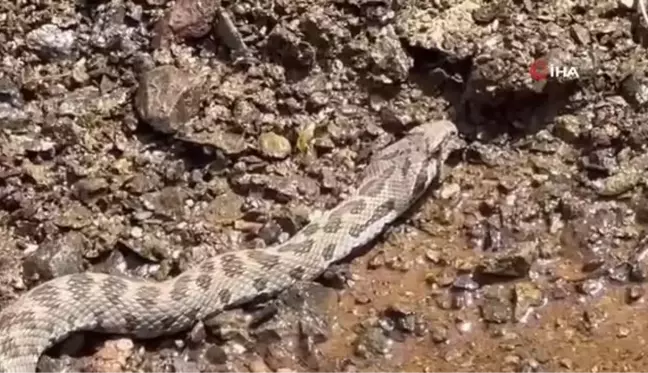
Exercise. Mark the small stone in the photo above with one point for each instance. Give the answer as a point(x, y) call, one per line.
point(274, 146)
point(433, 256)
point(465, 282)
point(559, 291)
point(526, 295)
point(593, 318)
point(361, 298)
point(439, 334)
point(462, 299)
point(317, 100)
point(580, 34)
point(566, 363)
point(449, 190)
point(373, 343)
point(198, 333)
point(216, 355)
point(284, 370)
point(515, 265)
point(192, 19)
point(634, 90)
point(228, 142)
point(464, 327)
point(376, 261)
point(529, 365)
point(444, 278)
point(623, 332)
point(402, 318)
point(50, 42)
point(591, 286)
point(486, 13)
point(512, 360)
point(136, 232)
point(167, 98)
point(111, 357)
point(86, 188)
point(568, 128)
point(496, 307)
point(38, 173)
point(258, 366)
point(453, 355)
point(76, 216)
point(43, 145)
point(398, 263)
point(635, 292)
point(11, 117)
point(393, 119)
point(56, 258)
point(619, 183)
point(627, 4)
point(10, 93)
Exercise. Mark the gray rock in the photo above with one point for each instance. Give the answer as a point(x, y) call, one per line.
point(50, 42)
point(56, 258)
point(227, 142)
point(11, 105)
point(167, 98)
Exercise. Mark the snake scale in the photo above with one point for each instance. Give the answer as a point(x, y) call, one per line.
point(394, 178)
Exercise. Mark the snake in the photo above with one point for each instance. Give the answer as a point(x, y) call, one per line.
point(393, 179)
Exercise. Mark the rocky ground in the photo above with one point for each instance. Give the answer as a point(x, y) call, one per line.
point(139, 136)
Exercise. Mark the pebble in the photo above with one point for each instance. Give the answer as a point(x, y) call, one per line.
point(433, 256)
point(635, 292)
point(50, 42)
point(216, 355)
point(439, 334)
point(167, 98)
point(112, 356)
point(449, 190)
point(627, 4)
point(623, 332)
point(274, 146)
point(137, 232)
point(465, 282)
point(56, 258)
point(191, 19)
point(591, 286)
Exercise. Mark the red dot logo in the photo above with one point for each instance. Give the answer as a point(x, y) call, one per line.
point(539, 70)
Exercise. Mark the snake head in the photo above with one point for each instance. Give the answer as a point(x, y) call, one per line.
point(432, 137)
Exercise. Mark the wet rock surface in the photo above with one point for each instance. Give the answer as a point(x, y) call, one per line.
point(138, 138)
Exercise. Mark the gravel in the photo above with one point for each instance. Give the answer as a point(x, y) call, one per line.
point(137, 138)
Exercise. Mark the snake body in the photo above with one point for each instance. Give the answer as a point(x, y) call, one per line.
point(394, 178)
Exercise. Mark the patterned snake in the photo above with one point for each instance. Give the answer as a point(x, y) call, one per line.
point(394, 178)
